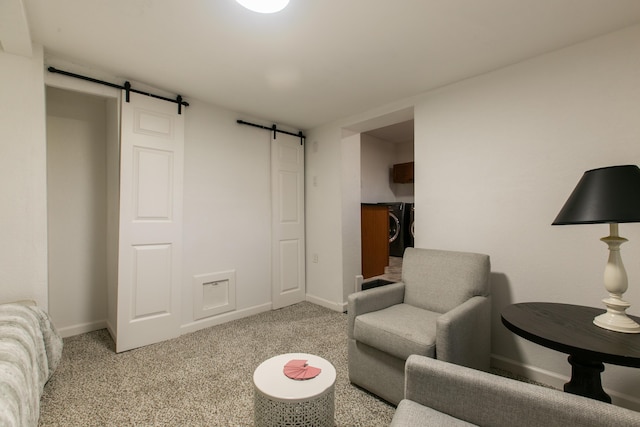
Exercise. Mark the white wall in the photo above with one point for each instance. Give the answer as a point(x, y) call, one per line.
point(351, 236)
point(227, 207)
point(23, 216)
point(377, 157)
point(77, 210)
point(323, 208)
point(404, 152)
point(496, 157)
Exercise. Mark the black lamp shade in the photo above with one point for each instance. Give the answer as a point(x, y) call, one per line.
point(604, 195)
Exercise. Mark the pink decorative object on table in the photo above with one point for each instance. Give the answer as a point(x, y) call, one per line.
point(298, 369)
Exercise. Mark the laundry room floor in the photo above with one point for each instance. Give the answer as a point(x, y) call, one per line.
point(393, 271)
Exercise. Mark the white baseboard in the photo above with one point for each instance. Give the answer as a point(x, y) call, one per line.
point(224, 318)
point(111, 331)
point(69, 331)
point(556, 380)
point(339, 307)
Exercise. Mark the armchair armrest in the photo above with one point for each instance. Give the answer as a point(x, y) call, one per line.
point(373, 300)
point(463, 334)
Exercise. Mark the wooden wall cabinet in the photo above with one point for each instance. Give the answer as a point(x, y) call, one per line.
point(374, 222)
point(403, 173)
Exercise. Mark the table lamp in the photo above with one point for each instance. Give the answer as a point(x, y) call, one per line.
point(608, 195)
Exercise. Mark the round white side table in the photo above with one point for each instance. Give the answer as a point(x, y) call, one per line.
point(282, 401)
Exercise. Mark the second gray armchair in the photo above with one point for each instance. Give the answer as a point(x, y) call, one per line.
point(441, 309)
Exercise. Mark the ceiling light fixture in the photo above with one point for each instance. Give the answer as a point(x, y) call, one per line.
point(264, 6)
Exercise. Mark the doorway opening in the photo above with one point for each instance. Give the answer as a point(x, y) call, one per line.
point(82, 135)
point(386, 178)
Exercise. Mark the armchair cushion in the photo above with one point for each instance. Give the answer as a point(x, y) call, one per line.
point(400, 330)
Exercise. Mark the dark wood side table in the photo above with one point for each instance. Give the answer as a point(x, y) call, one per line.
point(569, 329)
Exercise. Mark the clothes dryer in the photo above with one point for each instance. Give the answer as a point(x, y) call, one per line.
point(396, 228)
point(409, 233)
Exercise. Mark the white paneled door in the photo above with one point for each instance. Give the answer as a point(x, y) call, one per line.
point(287, 198)
point(150, 248)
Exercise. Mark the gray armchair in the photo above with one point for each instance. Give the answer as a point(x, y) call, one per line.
point(441, 309)
point(440, 394)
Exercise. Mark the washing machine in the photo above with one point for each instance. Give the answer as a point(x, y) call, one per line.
point(397, 219)
point(409, 233)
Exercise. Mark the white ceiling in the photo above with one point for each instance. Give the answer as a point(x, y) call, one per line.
point(318, 60)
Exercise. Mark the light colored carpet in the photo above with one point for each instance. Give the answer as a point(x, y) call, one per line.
point(200, 379)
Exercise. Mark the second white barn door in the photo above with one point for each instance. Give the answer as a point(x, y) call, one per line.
point(150, 238)
point(287, 198)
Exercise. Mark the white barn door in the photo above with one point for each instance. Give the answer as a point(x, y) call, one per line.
point(150, 247)
point(287, 198)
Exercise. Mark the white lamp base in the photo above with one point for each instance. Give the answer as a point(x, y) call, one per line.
point(615, 281)
point(615, 319)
